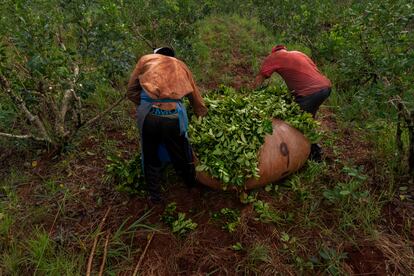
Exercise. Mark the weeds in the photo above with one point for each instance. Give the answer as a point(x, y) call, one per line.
point(316, 211)
point(121, 249)
point(237, 247)
point(229, 217)
point(176, 220)
point(182, 226)
point(126, 174)
point(6, 222)
point(12, 260)
point(46, 257)
point(266, 213)
point(332, 260)
point(258, 253)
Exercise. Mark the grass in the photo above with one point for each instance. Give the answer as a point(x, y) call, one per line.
point(259, 253)
point(45, 257)
point(306, 224)
point(224, 45)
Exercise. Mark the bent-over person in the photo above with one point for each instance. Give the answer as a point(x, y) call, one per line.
point(157, 87)
point(308, 85)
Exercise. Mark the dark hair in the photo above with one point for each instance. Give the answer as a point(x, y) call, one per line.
point(166, 51)
point(278, 48)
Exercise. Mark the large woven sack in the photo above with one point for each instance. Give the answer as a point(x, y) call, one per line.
point(283, 152)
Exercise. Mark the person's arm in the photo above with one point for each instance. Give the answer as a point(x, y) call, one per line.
point(195, 98)
point(258, 81)
point(134, 87)
point(266, 70)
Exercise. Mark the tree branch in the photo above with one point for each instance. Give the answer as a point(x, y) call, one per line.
point(19, 101)
point(135, 30)
point(100, 115)
point(27, 136)
point(60, 120)
point(67, 97)
point(78, 102)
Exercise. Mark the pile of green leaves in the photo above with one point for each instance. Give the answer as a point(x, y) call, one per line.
point(228, 139)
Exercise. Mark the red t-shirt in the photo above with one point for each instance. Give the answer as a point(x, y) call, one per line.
point(300, 73)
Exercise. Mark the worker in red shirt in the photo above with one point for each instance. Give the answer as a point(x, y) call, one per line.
point(307, 84)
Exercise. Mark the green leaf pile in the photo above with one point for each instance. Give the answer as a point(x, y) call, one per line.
point(228, 139)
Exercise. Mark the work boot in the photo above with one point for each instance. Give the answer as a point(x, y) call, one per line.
point(153, 201)
point(316, 153)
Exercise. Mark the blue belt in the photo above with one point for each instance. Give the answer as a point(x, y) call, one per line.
point(162, 112)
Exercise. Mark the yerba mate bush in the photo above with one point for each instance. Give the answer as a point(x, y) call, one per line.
point(228, 139)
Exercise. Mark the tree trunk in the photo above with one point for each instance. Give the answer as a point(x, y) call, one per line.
point(399, 131)
point(411, 144)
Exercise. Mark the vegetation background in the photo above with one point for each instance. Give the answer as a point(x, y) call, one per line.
point(66, 136)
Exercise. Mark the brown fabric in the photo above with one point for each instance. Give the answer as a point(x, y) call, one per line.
point(164, 77)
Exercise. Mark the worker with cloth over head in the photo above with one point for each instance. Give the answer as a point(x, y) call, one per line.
point(308, 85)
point(157, 86)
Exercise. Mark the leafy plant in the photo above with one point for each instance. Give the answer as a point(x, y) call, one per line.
point(247, 198)
point(126, 174)
point(182, 226)
point(227, 141)
point(177, 220)
point(332, 260)
point(237, 247)
point(229, 217)
point(348, 191)
point(265, 212)
point(53, 56)
point(228, 46)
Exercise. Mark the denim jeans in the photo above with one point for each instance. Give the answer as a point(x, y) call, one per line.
point(312, 102)
point(163, 130)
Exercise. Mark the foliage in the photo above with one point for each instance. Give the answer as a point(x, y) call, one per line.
point(126, 174)
point(182, 226)
point(298, 22)
point(237, 246)
point(227, 141)
point(226, 49)
point(229, 217)
point(345, 191)
point(46, 257)
point(247, 198)
point(364, 47)
point(332, 260)
point(372, 48)
point(265, 212)
point(349, 191)
point(176, 220)
point(54, 56)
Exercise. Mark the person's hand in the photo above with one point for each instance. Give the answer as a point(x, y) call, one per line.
point(258, 81)
point(202, 114)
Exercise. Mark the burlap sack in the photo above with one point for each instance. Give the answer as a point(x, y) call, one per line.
point(283, 152)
